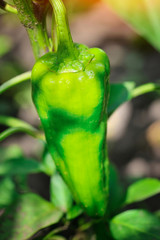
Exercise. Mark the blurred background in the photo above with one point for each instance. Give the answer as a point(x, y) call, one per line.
point(133, 130)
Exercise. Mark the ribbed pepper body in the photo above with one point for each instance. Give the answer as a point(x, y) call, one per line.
point(71, 99)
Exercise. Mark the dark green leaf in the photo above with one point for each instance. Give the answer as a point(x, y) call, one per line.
point(13, 151)
point(74, 212)
point(19, 166)
point(119, 93)
point(142, 189)
point(54, 234)
point(100, 228)
point(61, 196)
point(7, 192)
point(54, 238)
point(158, 214)
point(116, 191)
point(123, 92)
point(26, 216)
point(135, 225)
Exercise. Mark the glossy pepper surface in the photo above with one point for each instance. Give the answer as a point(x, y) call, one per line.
point(70, 90)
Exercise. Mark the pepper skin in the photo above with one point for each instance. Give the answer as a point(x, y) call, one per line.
point(70, 95)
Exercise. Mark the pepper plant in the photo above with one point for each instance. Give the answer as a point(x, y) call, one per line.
point(74, 99)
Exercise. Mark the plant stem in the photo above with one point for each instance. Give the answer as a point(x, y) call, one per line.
point(34, 22)
point(8, 132)
point(7, 7)
point(146, 88)
point(14, 122)
point(14, 81)
point(16, 125)
point(39, 40)
point(63, 42)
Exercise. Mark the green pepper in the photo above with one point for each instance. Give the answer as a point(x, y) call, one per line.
point(70, 89)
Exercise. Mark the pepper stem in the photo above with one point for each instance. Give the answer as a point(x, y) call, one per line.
point(63, 42)
point(32, 19)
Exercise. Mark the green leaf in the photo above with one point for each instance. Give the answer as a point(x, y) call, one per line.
point(142, 189)
point(123, 92)
point(26, 216)
point(12, 151)
point(21, 183)
point(54, 234)
point(142, 15)
point(135, 225)
point(116, 191)
point(56, 237)
point(74, 212)
point(19, 166)
point(100, 228)
point(7, 192)
point(119, 93)
point(158, 214)
point(47, 165)
point(60, 194)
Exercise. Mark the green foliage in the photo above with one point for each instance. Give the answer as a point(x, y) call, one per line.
point(13, 151)
point(74, 212)
point(61, 196)
point(158, 214)
point(142, 189)
point(7, 192)
point(47, 165)
point(14, 163)
point(116, 191)
point(123, 92)
point(119, 93)
point(23, 215)
point(135, 225)
point(19, 165)
point(55, 238)
point(27, 215)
